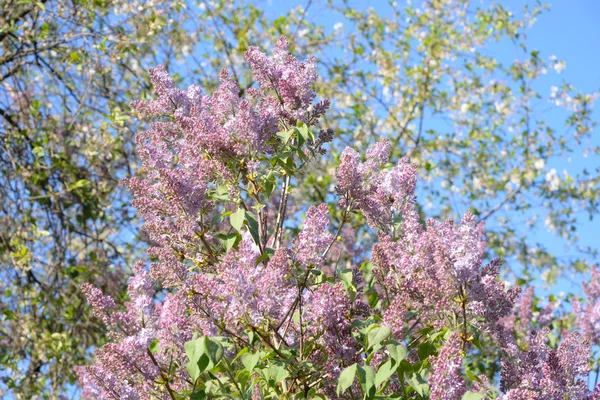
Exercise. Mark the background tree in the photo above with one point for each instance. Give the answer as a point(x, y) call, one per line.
point(68, 71)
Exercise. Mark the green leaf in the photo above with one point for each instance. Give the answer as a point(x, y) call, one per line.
point(472, 376)
point(237, 219)
point(250, 360)
point(38, 151)
point(377, 335)
point(418, 384)
point(346, 378)
point(476, 342)
point(425, 350)
point(253, 227)
point(304, 132)
point(203, 353)
point(220, 193)
point(286, 135)
point(276, 372)
point(214, 350)
point(153, 346)
point(384, 372)
point(198, 396)
point(229, 240)
point(405, 367)
point(346, 277)
point(79, 184)
point(269, 184)
point(366, 377)
point(473, 396)
point(241, 353)
point(74, 56)
point(193, 350)
point(397, 352)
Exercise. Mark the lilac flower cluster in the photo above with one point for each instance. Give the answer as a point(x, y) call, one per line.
point(196, 143)
point(290, 80)
point(207, 160)
point(523, 320)
point(242, 292)
point(328, 315)
point(434, 270)
point(200, 141)
point(544, 373)
point(314, 238)
point(446, 381)
point(588, 315)
point(377, 194)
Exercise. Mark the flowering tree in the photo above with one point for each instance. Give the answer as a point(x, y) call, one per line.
point(424, 75)
point(250, 294)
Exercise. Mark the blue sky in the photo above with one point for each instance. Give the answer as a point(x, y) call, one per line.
point(571, 31)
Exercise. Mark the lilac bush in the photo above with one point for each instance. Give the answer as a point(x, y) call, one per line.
point(250, 296)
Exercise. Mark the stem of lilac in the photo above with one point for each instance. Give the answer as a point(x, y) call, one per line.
point(300, 320)
point(413, 325)
point(464, 315)
point(164, 376)
point(281, 212)
point(262, 234)
point(228, 370)
point(401, 379)
point(290, 312)
point(337, 233)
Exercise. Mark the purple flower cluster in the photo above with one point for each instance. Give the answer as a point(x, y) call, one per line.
point(242, 292)
point(437, 271)
point(290, 80)
point(588, 315)
point(377, 194)
point(446, 381)
point(207, 163)
point(116, 372)
point(523, 320)
point(314, 238)
point(543, 373)
point(200, 141)
point(197, 143)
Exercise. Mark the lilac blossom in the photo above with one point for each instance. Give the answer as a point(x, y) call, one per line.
point(206, 156)
point(545, 373)
point(446, 381)
point(314, 238)
point(377, 194)
point(588, 314)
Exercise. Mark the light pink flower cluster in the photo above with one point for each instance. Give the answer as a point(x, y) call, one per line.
point(588, 314)
point(207, 160)
point(291, 81)
point(424, 268)
point(242, 292)
point(196, 143)
point(314, 238)
point(446, 381)
point(544, 373)
point(377, 194)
